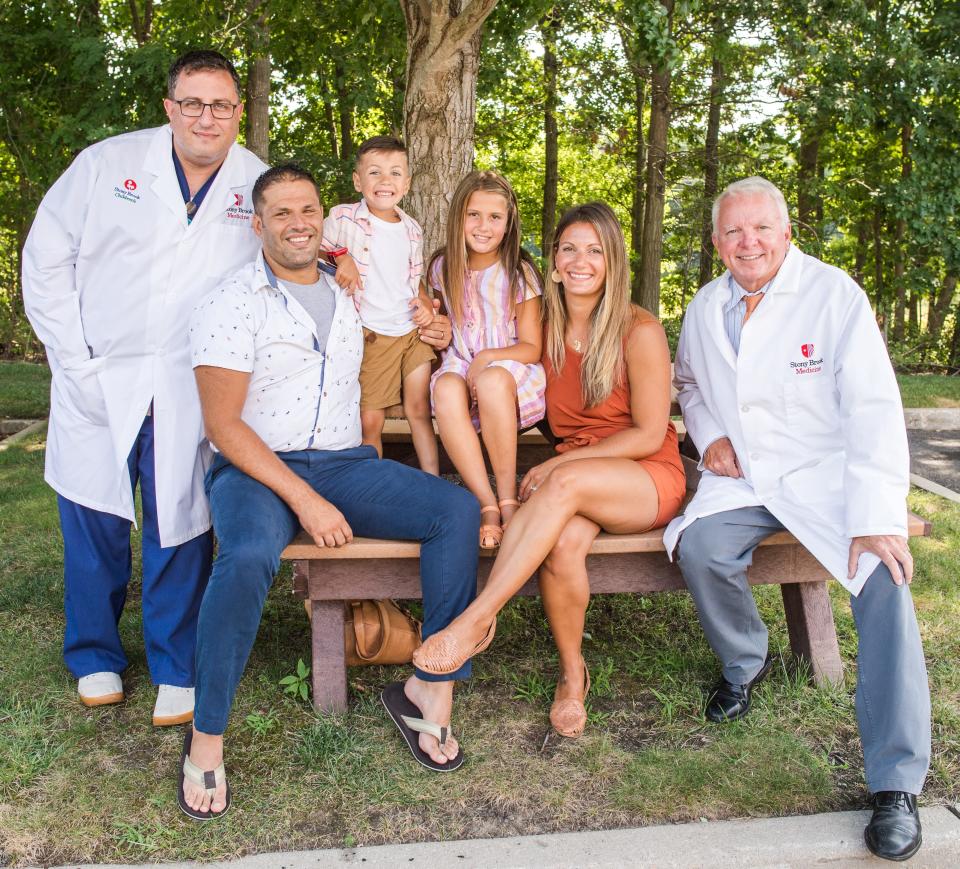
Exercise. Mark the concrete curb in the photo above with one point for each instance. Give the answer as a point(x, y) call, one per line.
point(23, 433)
point(932, 418)
point(800, 842)
point(936, 488)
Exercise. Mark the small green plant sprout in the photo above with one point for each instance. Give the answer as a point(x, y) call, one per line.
point(261, 723)
point(297, 683)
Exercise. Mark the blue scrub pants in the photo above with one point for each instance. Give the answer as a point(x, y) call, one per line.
point(97, 563)
point(253, 525)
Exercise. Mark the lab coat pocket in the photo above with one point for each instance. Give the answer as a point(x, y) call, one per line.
point(80, 391)
point(811, 405)
point(820, 483)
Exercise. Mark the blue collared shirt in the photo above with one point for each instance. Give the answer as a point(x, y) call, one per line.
point(736, 309)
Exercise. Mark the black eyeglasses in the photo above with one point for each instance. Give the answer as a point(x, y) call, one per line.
point(193, 108)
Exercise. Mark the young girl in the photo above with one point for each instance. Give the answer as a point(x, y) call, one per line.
point(490, 380)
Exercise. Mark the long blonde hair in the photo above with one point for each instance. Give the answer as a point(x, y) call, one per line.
point(513, 258)
point(603, 362)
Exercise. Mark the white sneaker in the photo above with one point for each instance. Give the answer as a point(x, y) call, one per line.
point(174, 706)
point(100, 689)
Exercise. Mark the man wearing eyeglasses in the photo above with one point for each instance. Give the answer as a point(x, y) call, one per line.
point(126, 242)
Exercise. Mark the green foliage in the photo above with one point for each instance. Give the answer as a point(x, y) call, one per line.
point(298, 684)
point(850, 104)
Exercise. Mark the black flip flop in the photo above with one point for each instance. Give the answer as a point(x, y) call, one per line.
point(398, 705)
point(209, 781)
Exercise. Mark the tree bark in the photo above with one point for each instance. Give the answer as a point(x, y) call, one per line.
point(878, 285)
point(954, 360)
point(651, 246)
point(257, 108)
point(860, 257)
point(443, 53)
point(809, 205)
point(711, 166)
point(331, 127)
point(639, 72)
point(899, 255)
point(142, 20)
point(548, 34)
point(939, 306)
point(344, 110)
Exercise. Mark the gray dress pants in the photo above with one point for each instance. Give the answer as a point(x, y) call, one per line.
point(893, 697)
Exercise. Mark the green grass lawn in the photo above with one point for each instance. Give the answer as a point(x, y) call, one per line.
point(25, 390)
point(929, 390)
point(88, 785)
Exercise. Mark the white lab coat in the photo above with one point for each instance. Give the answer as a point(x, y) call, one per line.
point(811, 406)
point(111, 273)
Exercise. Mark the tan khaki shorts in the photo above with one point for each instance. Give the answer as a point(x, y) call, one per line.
point(387, 360)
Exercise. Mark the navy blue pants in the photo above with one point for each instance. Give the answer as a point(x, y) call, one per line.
point(96, 573)
point(253, 525)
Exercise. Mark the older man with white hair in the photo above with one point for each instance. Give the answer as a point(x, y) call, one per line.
point(788, 393)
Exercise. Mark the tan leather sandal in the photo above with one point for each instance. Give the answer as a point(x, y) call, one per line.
point(569, 717)
point(490, 535)
point(441, 654)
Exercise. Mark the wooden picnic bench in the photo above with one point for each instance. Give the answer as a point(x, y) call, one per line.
point(617, 563)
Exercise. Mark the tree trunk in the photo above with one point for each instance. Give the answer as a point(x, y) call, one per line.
point(331, 127)
point(345, 111)
point(142, 20)
point(899, 256)
point(878, 287)
point(548, 33)
point(954, 360)
point(443, 53)
point(257, 108)
point(860, 257)
point(939, 306)
point(651, 246)
point(639, 71)
point(711, 166)
point(807, 199)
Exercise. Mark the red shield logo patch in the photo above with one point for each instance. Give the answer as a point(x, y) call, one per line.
point(806, 350)
point(237, 199)
point(130, 184)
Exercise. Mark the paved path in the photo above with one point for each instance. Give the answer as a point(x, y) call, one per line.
point(834, 839)
point(935, 455)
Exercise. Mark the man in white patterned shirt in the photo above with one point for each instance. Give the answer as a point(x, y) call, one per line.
point(276, 354)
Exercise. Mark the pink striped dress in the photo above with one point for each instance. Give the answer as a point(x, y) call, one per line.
point(487, 324)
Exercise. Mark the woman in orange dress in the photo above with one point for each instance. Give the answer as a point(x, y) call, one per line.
point(617, 466)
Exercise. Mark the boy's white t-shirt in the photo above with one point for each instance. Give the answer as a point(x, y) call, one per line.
point(385, 300)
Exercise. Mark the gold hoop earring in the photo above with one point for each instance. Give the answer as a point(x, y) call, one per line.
point(555, 276)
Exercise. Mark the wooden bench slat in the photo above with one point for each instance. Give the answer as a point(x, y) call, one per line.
point(605, 544)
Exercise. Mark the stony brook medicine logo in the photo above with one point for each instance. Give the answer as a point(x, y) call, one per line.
point(127, 190)
point(237, 210)
point(809, 364)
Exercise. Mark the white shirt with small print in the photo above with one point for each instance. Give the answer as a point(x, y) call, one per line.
point(301, 396)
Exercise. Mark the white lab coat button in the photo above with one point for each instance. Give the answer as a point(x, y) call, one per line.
point(745, 408)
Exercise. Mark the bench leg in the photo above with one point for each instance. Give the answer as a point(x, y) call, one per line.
point(813, 635)
point(329, 666)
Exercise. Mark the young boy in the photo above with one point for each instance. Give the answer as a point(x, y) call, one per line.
point(387, 246)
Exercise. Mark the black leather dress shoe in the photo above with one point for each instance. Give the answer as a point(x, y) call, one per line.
point(894, 830)
point(728, 702)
